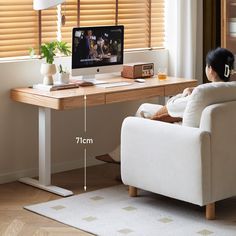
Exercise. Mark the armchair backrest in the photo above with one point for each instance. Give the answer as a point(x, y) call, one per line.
point(205, 95)
point(220, 121)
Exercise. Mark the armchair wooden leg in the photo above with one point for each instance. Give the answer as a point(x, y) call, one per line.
point(133, 191)
point(210, 211)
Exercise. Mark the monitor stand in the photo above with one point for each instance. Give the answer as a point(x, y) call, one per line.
point(92, 79)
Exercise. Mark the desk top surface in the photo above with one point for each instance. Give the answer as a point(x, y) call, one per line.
point(71, 98)
point(81, 91)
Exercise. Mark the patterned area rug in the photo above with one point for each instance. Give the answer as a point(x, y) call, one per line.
point(110, 212)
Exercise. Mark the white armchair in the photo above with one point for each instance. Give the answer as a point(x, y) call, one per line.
point(193, 164)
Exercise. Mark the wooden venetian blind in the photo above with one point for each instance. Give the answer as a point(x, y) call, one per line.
point(157, 24)
point(91, 13)
point(18, 28)
point(97, 12)
point(69, 9)
point(49, 24)
point(143, 21)
point(134, 15)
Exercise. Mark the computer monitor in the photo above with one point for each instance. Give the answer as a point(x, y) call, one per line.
point(97, 50)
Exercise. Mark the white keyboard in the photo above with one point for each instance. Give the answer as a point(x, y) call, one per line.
point(113, 84)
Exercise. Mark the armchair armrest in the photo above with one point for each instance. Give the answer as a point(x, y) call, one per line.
point(155, 155)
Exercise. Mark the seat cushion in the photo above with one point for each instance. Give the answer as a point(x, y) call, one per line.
point(205, 95)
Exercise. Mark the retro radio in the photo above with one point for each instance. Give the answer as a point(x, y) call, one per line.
point(138, 70)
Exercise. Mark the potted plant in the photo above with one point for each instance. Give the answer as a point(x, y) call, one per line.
point(49, 51)
point(64, 76)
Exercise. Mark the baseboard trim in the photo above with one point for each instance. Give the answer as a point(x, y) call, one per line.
point(57, 168)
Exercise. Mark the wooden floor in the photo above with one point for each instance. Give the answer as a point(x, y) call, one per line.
point(14, 220)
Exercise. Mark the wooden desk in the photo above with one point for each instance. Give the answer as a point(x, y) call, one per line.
point(74, 98)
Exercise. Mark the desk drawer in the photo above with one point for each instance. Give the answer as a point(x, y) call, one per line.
point(34, 99)
point(135, 94)
point(75, 102)
point(174, 89)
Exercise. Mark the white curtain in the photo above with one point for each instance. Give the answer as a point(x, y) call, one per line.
point(184, 38)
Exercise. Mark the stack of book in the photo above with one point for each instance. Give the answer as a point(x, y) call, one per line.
point(55, 87)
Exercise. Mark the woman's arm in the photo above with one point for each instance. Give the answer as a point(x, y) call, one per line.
point(177, 104)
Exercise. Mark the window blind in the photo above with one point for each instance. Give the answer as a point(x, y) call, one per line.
point(69, 9)
point(143, 21)
point(49, 24)
point(157, 23)
point(18, 28)
point(91, 12)
point(134, 15)
point(97, 12)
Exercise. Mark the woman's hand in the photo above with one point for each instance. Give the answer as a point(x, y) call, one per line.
point(187, 91)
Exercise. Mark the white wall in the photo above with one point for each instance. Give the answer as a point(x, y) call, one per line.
point(18, 122)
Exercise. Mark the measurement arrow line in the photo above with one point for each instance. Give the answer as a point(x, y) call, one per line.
point(85, 111)
point(85, 169)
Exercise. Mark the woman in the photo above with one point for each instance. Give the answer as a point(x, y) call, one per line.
point(219, 67)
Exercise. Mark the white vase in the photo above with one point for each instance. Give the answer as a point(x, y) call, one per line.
point(64, 78)
point(48, 70)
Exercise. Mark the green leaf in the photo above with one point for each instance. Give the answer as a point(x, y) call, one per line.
point(48, 50)
point(63, 48)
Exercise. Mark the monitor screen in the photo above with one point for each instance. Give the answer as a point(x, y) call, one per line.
point(97, 46)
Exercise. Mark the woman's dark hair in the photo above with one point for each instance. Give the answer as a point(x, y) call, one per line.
point(222, 62)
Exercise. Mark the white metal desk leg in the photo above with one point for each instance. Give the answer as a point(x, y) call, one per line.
point(44, 146)
point(45, 157)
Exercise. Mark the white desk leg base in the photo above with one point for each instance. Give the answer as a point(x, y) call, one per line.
point(44, 181)
point(50, 188)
